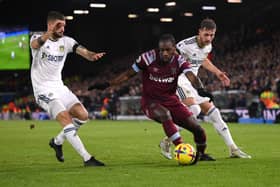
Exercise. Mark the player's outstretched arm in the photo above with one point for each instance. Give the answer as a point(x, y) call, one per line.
point(115, 82)
point(89, 55)
point(38, 42)
point(207, 64)
point(197, 84)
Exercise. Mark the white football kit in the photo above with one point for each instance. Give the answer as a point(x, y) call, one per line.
point(47, 64)
point(195, 55)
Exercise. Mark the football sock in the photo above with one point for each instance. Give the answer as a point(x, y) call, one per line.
point(70, 134)
point(171, 131)
point(77, 122)
point(221, 127)
point(201, 148)
point(60, 138)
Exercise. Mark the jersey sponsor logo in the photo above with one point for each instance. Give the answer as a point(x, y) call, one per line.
point(52, 58)
point(161, 79)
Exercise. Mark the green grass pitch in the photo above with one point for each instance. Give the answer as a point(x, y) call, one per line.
point(130, 150)
point(22, 57)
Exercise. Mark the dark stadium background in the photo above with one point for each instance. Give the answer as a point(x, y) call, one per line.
point(110, 30)
point(244, 25)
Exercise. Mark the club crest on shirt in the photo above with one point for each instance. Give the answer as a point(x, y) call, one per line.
point(61, 48)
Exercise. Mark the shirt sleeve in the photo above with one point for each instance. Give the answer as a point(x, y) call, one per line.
point(144, 60)
point(69, 44)
point(34, 37)
point(181, 47)
point(184, 65)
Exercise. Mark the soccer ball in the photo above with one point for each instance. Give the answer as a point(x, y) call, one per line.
point(185, 154)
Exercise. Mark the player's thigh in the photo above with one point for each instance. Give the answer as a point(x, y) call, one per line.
point(180, 113)
point(73, 105)
point(157, 112)
point(79, 111)
point(206, 106)
point(184, 92)
point(52, 106)
point(184, 118)
point(68, 98)
point(188, 101)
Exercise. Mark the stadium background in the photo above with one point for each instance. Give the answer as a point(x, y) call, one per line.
point(246, 47)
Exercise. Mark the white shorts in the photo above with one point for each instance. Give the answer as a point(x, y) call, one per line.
point(186, 90)
point(54, 101)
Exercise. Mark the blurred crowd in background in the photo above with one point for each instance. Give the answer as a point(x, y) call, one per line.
point(251, 60)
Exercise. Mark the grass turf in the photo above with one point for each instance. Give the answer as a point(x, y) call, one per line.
point(130, 150)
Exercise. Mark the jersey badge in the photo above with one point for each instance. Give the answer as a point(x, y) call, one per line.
point(61, 48)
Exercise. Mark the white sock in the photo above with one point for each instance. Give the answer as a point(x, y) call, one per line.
point(60, 138)
point(195, 109)
point(75, 141)
point(221, 127)
point(78, 123)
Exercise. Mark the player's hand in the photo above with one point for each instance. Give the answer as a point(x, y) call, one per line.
point(96, 56)
point(99, 86)
point(204, 93)
point(224, 78)
point(52, 28)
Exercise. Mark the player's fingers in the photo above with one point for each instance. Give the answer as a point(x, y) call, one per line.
point(226, 83)
point(99, 55)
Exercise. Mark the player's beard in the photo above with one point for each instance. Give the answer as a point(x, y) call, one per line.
point(57, 35)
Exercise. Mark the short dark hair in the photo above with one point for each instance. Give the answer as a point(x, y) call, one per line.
point(208, 24)
point(167, 38)
point(54, 15)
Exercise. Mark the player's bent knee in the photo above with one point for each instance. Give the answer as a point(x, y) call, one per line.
point(83, 116)
point(78, 111)
point(64, 118)
point(195, 109)
point(164, 116)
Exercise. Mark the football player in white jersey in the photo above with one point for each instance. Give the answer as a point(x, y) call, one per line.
point(49, 52)
point(196, 50)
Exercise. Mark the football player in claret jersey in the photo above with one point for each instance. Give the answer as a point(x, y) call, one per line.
point(160, 70)
point(49, 52)
point(196, 49)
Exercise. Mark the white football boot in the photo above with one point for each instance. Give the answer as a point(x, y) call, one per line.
point(237, 153)
point(165, 147)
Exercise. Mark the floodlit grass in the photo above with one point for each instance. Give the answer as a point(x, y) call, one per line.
point(130, 150)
